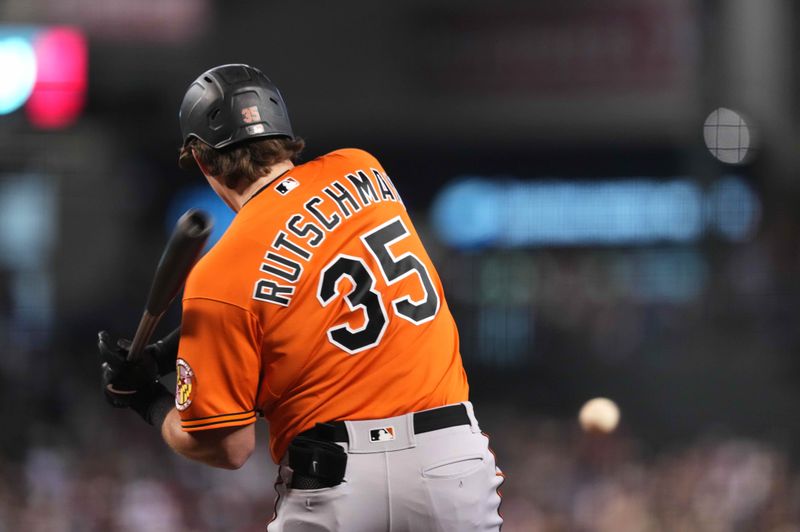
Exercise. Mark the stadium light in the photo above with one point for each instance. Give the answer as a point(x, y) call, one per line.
point(44, 69)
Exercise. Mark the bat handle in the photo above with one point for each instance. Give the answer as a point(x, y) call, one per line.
point(143, 334)
point(147, 325)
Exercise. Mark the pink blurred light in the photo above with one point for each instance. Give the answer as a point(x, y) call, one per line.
point(60, 91)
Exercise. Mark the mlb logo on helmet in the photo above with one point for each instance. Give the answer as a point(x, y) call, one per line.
point(255, 129)
point(381, 434)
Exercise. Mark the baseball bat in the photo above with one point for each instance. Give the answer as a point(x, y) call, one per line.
point(181, 252)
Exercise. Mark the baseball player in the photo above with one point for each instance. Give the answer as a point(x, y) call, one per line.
point(320, 310)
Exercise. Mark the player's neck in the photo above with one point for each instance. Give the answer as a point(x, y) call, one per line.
point(238, 199)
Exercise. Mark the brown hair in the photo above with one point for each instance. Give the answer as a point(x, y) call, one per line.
point(244, 162)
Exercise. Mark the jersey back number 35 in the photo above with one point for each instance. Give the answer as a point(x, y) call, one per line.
point(363, 294)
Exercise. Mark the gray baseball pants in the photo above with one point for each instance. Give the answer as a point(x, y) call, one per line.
point(439, 481)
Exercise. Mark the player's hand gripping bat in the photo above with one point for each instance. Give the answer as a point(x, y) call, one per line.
point(181, 252)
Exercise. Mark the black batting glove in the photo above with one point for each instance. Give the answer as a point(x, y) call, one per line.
point(164, 351)
point(123, 380)
point(132, 384)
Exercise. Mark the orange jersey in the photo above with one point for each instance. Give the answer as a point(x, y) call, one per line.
point(319, 303)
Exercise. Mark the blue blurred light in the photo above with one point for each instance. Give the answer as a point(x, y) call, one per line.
point(28, 233)
point(478, 212)
point(733, 208)
point(28, 223)
point(470, 219)
point(200, 197)
point(18, 67)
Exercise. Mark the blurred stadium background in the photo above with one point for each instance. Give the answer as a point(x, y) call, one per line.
point(553, 157)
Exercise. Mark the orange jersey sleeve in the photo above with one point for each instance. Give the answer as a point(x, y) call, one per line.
point(218, 366)
point(319, 303)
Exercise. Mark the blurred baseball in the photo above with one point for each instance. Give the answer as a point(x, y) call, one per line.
point(599, 415)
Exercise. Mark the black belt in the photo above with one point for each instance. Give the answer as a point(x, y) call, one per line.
point(426, 421)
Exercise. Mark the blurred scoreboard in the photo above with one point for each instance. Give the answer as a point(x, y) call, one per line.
point(525, 257)
point(515, 213)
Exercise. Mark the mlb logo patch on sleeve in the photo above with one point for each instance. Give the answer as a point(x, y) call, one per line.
point(286, 186)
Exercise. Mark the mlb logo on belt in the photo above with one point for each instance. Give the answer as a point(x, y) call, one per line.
point(382, 434)
point(287, 185)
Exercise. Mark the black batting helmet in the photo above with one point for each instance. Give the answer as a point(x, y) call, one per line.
point(230, 104)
